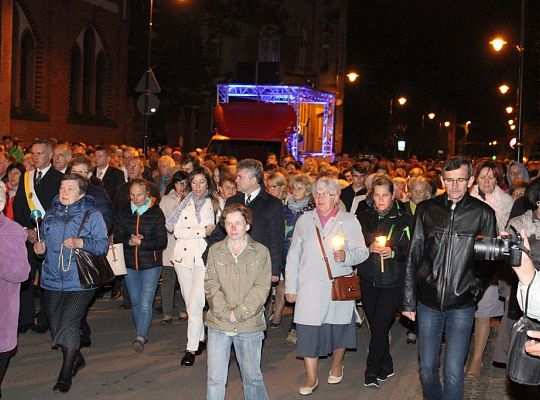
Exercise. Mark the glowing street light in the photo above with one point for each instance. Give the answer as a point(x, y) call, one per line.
point(402, 101)
point(504, 89)
point(446, 124)
point(510, 122)
point(509, 109)
point(431, 115)
point(512, 127)
point(352, 76)
point(498, 43)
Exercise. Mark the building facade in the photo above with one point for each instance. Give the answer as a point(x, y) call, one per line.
point(63, 70)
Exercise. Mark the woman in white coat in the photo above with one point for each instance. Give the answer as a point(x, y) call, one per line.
point(193, 220)
point(324, 326)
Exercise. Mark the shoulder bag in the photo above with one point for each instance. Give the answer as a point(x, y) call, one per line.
point(522, 367)
point(94, 271)
point(344, 288)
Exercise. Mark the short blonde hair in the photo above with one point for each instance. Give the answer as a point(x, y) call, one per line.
point(303, 180)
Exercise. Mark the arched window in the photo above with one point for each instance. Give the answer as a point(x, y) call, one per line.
point(89, 76)
point(75, 80)
point(89, 72)
point(101, 80)
point(269, 44)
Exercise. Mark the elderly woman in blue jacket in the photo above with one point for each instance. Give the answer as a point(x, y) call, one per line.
point(71, 223)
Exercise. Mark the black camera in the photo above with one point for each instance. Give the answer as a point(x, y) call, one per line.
point(506, 248)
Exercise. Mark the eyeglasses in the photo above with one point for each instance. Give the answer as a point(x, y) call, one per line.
point(324, 195)
point(450, 181)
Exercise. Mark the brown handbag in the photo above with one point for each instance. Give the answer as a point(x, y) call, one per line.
point(344, 288)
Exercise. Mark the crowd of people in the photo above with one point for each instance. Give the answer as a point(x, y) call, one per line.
point(243, 238)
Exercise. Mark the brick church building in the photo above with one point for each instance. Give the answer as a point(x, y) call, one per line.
point(63, 70)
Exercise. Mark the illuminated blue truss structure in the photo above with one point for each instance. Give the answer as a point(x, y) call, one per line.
point(295, 96)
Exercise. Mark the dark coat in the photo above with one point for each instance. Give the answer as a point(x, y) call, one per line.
point(441, 271)
point(112, 179)
point(348, 194)
point(396, 226)
point(151, 225)
point(268, 226)
point(103, 203)
point(46, 191)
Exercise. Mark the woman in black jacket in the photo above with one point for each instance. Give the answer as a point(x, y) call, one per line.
point(386, 229)
point(140, 227)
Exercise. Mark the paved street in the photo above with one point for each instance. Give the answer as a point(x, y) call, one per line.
point(115, 371)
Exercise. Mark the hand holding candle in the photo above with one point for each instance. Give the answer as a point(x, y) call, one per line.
point(338, 242)
point(381, 242)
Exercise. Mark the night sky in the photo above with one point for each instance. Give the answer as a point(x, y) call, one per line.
point(435, 53)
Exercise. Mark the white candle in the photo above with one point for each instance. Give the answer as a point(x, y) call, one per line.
point(338, 242)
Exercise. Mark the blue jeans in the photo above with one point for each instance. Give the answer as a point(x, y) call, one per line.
point(248, 353)
point(142, 286)
point(457, 324)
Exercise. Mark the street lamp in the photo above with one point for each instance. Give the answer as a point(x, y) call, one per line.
point(352, 76)
point(401, 101)
point(446, 124)
point(509, 109)
point(498, 44)
point(504, 88)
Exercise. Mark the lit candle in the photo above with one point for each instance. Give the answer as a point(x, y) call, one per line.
point(381, 242)
point(338, 242)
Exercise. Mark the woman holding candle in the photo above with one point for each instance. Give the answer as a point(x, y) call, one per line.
point(386, 229)
point(323, 326)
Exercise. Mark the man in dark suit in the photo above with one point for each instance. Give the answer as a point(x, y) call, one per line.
point(268, 226)
point(36, 190)
point(111, 177)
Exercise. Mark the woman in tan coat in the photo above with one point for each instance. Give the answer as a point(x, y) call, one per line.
point(237, 283)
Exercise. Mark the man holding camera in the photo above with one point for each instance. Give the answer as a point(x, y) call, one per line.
point(441, 284)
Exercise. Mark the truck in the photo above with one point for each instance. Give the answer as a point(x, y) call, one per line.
point(254, 120)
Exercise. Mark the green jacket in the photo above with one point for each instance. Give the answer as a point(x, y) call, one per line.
point(241, 287)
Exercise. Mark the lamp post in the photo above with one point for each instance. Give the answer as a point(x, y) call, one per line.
point(498, 44)
point(147, 77)
point(401, 101)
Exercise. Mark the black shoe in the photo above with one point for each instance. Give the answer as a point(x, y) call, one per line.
point(115, 294)
point(125, 305)
point(40, 329)
point(62, 386)
point(86, 341)
point(158, 310)
point(202, 347)
point(371, 381)
point(384, 374)
point(24, 328)
point(188, 360)
point(79, 364)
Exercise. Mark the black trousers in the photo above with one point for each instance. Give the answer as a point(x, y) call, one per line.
point(380, 306)
point(27, 308)
point(4, 358)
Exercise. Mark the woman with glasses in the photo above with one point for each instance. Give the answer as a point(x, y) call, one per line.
point(323, 326)
point(488, 176)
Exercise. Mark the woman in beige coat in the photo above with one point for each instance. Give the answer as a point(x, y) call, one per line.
point(237, 283)
point(323, 326)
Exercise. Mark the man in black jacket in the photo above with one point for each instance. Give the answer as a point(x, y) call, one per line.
point(441, 283)
point(111, 177)
point(268, 226)
point(37, 189)
point(356, 188)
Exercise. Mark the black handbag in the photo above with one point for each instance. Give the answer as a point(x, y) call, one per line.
point(94, 271)
point(522, 367)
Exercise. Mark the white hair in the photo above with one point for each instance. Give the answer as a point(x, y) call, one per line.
point(330, 183)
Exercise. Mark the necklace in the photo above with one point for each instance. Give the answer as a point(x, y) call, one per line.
point(61, 259)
